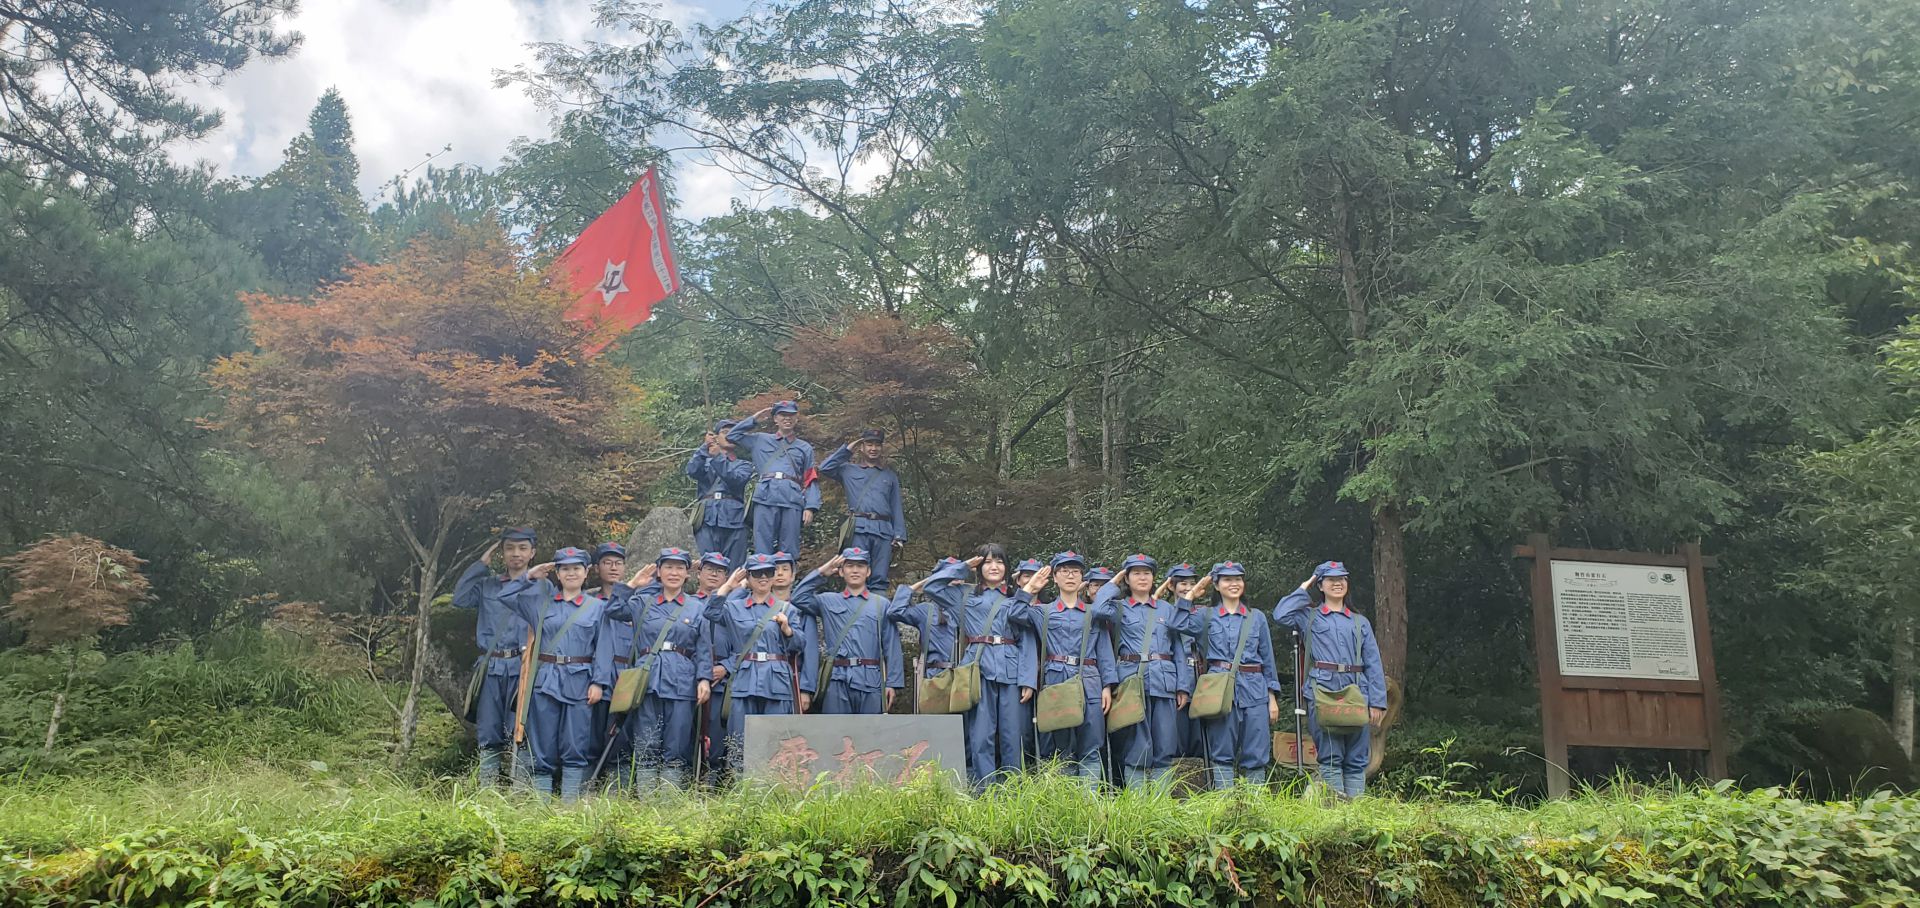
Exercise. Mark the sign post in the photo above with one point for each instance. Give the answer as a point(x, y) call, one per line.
point(1624, 652)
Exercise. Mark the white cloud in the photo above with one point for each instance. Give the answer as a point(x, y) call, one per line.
point(418, 76)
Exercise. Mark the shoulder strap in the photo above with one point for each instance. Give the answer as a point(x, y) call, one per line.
point(992, 613)
point(759, 628)
point(575, 616)
point(1086, 633)
point(1246, 630)
point(664, 628)
point(826, 667)
point(1146, 639)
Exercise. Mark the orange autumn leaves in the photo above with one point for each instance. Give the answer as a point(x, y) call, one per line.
point(447, 369)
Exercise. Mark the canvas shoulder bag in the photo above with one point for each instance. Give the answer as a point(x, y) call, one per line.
point(1130, 701)
point(1213, 691)
point(957, 689)
point(1343, 710)
point(1064, 705)
point(631, 685)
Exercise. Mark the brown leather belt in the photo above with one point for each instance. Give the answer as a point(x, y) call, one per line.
point(1150, 657)
point(850, 663)
point(565, 660)
point(992, 641)
point(624, 660)
point(505, 653)
point(1222, 663)
point(1069, 660)
point(762, 657)
point(939, 665)
point(1341, 667)
point(664, 648)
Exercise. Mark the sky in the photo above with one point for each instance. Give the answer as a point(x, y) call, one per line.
point(417, 75)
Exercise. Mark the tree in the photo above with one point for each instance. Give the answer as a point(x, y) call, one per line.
point(308, 213)
point(117, 278)
point(443, 388)
point(67, 589)
point(1864, 498)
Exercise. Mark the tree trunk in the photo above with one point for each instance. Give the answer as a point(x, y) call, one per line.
point(1068, 415)
point(1003, 440)
point(1903, 683)
point(1390, 591)
point(422, 615)
point(60, 699)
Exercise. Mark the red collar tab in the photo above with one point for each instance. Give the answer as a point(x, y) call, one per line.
point(1133, 601)
point(1240, 610)
point(1060, 605)
point(1326, 609)
point(577, 600)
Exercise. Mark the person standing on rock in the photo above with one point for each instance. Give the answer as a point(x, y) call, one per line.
point(873, 500)
point(722, 481)
point(502, 638)
point(784, 499)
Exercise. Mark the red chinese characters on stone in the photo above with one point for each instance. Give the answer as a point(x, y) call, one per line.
point(853, 760)
point(792, 763)
point(912, 756)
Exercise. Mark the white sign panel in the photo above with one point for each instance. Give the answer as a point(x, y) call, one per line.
point(1624, 621)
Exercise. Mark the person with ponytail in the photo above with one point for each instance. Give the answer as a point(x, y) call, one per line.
point(1342, 656)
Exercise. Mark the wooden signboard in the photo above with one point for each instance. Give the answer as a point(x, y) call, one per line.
point(1624, 652)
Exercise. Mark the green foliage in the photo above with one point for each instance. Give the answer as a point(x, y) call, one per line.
point(303, 841)
point(242, 699)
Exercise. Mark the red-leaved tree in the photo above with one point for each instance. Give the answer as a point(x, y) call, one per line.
point(67, 589)
point(444, 389)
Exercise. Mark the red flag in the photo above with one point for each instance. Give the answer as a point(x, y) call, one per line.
point(622, 263)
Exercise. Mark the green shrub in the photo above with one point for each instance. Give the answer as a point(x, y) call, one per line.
point(243, 697)
point(272, 838)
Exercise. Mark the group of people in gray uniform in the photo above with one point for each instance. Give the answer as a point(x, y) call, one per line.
point(692, 643)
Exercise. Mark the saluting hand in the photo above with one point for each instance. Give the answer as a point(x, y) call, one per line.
point(1038, 581)
point(974, 562)
point(1200, 589)
point(486, 557)
point(1160, 592)
point(643, 576)
point(734, 580)
point(762, 413)
point(540, 571)
point(832, 567)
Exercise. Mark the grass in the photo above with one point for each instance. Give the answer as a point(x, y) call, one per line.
point(318, 838)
